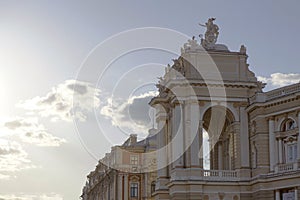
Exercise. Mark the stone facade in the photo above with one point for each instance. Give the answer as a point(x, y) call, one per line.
point(253, 135)
point(127, 172)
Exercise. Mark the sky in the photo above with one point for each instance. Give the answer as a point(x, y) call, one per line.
point(74, 80)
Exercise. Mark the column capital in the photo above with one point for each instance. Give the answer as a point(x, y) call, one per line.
point(272, 118)
point(240, 104)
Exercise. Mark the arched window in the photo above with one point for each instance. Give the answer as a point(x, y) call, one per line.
point(288, 124)
point(287, 141)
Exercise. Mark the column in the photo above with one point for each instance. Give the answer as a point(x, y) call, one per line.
point(126, 187)
point(177, 137)
point(115, 186)
point(220, 156)
point(161, 117)
point(272, 144)
point(146, 185)
point(187, 137)
point(277, 195)
point(298, 139)
point(120, 187)
point(244, 135)
point(200, 138)
point(236, 147)
point(276, 151)
point(195, 134)
point(296, 193)
point(280, 156)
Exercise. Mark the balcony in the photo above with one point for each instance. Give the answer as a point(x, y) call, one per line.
point(205, 175)
point(287, 167)
point(220, 175)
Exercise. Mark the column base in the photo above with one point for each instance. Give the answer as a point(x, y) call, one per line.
point(161, 189)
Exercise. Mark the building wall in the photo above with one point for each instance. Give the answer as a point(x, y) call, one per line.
point(188, 93)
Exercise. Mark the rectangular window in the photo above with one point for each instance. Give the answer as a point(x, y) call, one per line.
point(134, 190)
point(291, 153)
point(134, 160)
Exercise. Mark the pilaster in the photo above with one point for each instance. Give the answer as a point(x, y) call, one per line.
point(161, 119)
point(272, 144)
point(280, 156)
point(244, 135)
point(177, 144)
point(126, 187)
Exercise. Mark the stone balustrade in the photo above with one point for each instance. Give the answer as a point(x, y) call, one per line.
point(273, 94)
point(283, 91)
point(224, 175)
point(286, 167)
point(205, 175)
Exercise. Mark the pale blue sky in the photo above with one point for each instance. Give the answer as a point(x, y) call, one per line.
point(43, 44)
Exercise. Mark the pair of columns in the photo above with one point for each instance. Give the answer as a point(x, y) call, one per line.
point(184, 146)
point(122, 187)
point(186, 142)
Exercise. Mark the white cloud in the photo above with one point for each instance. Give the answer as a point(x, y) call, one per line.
point(31, 131)
point(31, 197)
point(12, 158)
point(280, 79)
point(4, 177)
point(131, 115)
point(71, 99)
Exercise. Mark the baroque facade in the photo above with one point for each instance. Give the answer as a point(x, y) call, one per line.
point(254, 144)
point(127, 172)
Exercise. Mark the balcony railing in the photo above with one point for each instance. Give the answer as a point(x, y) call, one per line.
point(226, 175)
point(203, 174)
point(286, 167)
point(273, 94)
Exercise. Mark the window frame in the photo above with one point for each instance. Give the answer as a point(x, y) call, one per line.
point(134, 190)
point(134, 159)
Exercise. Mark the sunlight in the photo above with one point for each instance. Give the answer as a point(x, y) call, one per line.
point(3, 99)
point(206, 161)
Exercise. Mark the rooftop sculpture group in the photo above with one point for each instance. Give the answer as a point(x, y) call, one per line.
point(209, 42)
point(211, 34)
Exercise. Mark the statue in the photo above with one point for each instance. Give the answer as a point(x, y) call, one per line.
point(211, 34)
point(160, 87)
point(178, 65)
point(167, 69)
point(191, 45)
